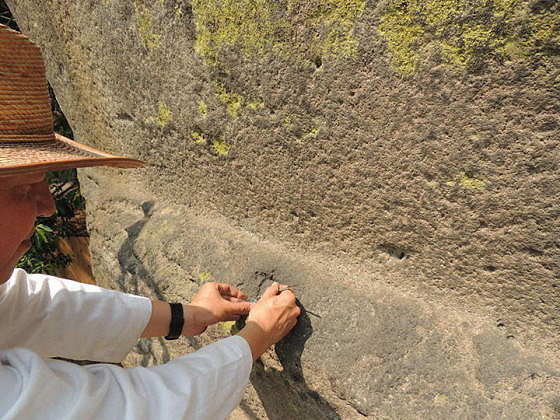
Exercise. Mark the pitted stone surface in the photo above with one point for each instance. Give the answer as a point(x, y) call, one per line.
point(357, 352)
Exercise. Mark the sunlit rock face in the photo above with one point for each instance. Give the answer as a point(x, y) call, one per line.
point(397, 160)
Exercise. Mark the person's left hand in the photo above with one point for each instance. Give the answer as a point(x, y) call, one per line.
point(214, 302)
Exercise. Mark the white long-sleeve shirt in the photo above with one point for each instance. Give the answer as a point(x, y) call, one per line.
point(43, 316)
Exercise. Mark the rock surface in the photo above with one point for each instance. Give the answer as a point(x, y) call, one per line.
point(398, 161)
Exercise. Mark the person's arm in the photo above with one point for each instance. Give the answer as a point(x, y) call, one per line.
point(269, 320)
point(62, 318)
point(205, 385)
point(214, 302)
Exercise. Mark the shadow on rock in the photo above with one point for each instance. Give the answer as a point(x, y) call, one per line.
point(133, 271)
point(285, 394)
point(132, 268)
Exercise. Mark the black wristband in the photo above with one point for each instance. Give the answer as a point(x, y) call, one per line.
point(177, 321)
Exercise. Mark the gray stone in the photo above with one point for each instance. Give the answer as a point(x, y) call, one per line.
point(363, 349)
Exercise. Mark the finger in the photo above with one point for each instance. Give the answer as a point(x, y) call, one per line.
point(288, 297)
point(233, 318)
point(229, 290)
point(271, 291)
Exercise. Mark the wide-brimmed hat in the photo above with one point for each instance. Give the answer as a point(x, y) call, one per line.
point(28, 142)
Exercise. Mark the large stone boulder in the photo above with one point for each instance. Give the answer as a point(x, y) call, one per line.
point(398, 160)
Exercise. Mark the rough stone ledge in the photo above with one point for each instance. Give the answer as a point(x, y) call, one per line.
point(373, 351)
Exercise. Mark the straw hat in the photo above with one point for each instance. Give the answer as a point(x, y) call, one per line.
point(27, 140)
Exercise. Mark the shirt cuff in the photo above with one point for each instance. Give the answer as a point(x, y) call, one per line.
point(243, 349)
point(140, 309)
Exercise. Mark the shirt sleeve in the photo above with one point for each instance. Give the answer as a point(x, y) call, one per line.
point(64, 318)
point(205, 385)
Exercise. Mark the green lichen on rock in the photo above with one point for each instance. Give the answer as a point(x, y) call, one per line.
point(247, 24)
point(198, 138)
point(145, 28)
point(471, 183)
point(295, 28)
point(202, 108)
point(229, 327)
point(466, 181)
point(332, 22)
point(220, 147)
point(545, 25)
point(398, 26)
point(311, 134)
point(468, 33)
point(178, 11)
point(164, 115)
point(288, 122)
point(204, 277)
point(232, 100)
point(255, 105)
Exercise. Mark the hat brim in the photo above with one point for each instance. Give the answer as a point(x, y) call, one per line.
point(58, 154)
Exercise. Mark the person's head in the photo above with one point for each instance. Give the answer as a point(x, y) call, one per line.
point(29, 147)
point(23, 198)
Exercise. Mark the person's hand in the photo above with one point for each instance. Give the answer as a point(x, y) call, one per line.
point(214, 302)
point(270, 319)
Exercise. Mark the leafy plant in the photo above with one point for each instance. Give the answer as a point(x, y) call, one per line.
point(44, 256)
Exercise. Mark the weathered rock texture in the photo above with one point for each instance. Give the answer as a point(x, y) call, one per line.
point(398, 160)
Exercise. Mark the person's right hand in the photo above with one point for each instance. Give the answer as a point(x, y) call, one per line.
point(270, 319)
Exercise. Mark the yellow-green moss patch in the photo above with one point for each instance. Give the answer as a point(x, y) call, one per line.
point(164, 115)
point(311, 134)
point(233, 102)
point(204, 277)
point(144, 26)
point(198, 138)
point(228, 327)
point(441, 400)
point(247, 24)
point(466, 181)
point(255, 105)
point(468, 33)
point(202, 108)
point(471, 183)
point(294, 28)
point(338, 19)
point(288, 122)
point(220, 147)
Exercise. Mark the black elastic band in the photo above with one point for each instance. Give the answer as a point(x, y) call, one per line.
point(177, 321)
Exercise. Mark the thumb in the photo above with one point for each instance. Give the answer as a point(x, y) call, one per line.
point(272, 290)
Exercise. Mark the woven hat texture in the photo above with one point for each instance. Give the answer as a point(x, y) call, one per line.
point(27, 140)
